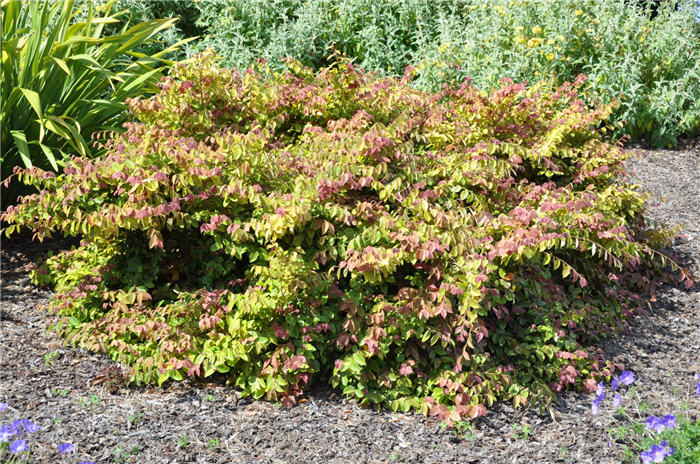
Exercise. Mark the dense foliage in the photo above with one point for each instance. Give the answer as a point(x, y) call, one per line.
point(652, 63)
point(429, 251)
point(188, 26)
point(63, 79)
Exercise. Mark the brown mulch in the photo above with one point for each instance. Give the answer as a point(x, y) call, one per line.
point(68, 391)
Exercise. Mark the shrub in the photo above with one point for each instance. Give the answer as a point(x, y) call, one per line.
point(652, 63)
point(429, 251)
point(382, 36)
point(63, 80)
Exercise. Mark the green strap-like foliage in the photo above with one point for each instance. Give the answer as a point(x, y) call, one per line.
point(63, 81)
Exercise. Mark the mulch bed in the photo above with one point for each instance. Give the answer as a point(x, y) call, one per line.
point(69, 394)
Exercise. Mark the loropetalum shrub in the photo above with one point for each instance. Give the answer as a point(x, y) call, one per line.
point(429, 251)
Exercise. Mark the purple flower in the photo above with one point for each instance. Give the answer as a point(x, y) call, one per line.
point(29, 426)
point(659, 424)
point(595, 407)
point(646, 457)
point(669, 449)
point(657, 453)
point(5, 433)
point(615, 384)
point(627, 378)
point(18, 446)
point(86, 462)
point(655, 424)
point(697, 388)
point(651, 420)
point(669, 421)
point(3, 406)
point(617, 400)
point(599, 390)
point(16, 427)
point(65, 448)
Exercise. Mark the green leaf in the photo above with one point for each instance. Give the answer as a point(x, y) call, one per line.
point(34, 100)
point(62, 64)
point(565, 270)
point(131, 85)
point(23, 147)
point(49, 155)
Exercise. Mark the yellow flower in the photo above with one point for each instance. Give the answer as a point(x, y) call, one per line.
point(536, 30)
point(519, 28)
point(534, 42)
point(550, 56)
point(579, 12)
point(550, 42)
point(520, 39)
point(443, 48)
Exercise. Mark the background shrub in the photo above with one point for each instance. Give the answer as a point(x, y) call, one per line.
point(64, 80)
point(380, 36)
point(429, 251)
point(652, 65)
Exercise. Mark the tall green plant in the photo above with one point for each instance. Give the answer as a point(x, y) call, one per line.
point(63, 81)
